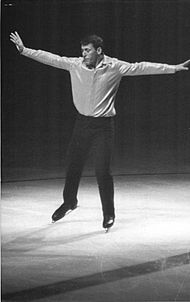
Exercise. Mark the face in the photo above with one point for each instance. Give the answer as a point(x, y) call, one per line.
point(90, 54)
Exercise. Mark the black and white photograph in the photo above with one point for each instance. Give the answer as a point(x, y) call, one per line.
point(95, 150)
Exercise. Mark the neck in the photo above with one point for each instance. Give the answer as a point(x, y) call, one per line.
point(99, 59)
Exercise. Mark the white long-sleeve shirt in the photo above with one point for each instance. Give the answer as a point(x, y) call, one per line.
point(94, 90)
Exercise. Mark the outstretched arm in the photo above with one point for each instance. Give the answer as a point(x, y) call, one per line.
point(41, 55)
point(148, 68)
point(183, 66)
point(15, 38)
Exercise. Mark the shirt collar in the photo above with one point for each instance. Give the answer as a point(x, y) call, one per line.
point(105, 61)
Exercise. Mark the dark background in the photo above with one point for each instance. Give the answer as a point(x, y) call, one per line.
point(153, 112)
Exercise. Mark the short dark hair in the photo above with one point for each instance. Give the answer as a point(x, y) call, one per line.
point(95, 40)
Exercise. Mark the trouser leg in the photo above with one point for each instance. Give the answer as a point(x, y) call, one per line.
point(76, 156)
point(103, 155)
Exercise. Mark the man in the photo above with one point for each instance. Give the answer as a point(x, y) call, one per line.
point(95, 80)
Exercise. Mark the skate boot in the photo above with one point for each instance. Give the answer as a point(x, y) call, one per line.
point(108, 222)
point(62, 211)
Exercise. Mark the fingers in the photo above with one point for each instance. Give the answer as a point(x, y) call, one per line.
point(17, 35)
point(15, 38)
point(183, 66)
point(13, 34)
point(186, 63)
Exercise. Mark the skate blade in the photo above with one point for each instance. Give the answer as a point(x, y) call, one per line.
point(71, 210)
point(107, 230)
point(68, 212)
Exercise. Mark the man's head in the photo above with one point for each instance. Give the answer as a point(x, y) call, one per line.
point(92, 50)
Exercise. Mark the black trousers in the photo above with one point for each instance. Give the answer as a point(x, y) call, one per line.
point(96, 134)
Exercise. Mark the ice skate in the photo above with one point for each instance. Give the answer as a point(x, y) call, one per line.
point(62, 211)
point(108, 222)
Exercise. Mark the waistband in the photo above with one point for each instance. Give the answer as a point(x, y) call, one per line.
point(94, 118)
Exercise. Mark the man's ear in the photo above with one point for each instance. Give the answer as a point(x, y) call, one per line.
point(99, 50)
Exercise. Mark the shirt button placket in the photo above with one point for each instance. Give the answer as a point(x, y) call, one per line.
point(92, 96)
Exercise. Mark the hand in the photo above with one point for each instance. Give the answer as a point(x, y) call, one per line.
point(183, 66)
point(15, 38)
